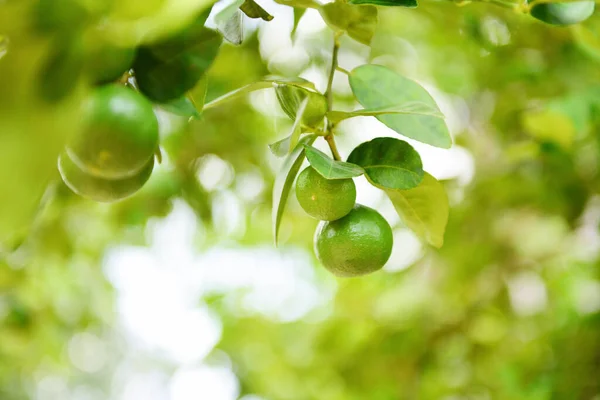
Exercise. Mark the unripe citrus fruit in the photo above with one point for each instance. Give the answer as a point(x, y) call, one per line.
point(100, 189)
point(325, 199)
point(357, 244)
point(120, 134)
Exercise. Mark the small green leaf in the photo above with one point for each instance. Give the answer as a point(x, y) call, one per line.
point(181, 106)
point(285, 180)
point(167, 70)
point(389, 163)
point(298, 13)
point(266, 83)
point(230, 23)
point(359, 22)
point(388, 3)
point(234, 94)
point(412, 108)
point(377, 87)
point(291, 81)
point(423, 209)
point(562, 14)
point(299, 3)
point(291, 97)
point(198, 95)
point(281, 148)
point(253, 10)
point(330, 168)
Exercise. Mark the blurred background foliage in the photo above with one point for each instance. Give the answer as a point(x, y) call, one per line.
point(177, 292)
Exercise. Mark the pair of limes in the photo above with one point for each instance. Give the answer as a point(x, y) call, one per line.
point(352, 239)
point(113, 156)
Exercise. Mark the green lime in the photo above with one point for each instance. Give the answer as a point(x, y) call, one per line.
point(563, 13)
point(357, 244)
point(325, 199)
point(120, 134)
point(291, 97)
point(100, 189)
point(107, 63)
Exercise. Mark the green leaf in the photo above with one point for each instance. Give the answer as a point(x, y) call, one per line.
point(377, 87)
point(230, 23)
point(412, 108)
point(291, 97)
point(281, 148)
point(266, 83)
point(167, 70)
point(299, 3)
point(181, 106)
point(388, 3)
point(253, 10)
point(298, 13)
point(423, 209)
point(562, 14)
point(389, 163)
point(330, 168)
point(359, 22)
point(285, 146)
point(285, 180)
point(234, 94)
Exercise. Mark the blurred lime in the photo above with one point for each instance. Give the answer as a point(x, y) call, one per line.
point(325, 199)
point(106, 62)
point(357, 244)
point(120, 134)
point(100, 189)
point(563, 13)
point(291, 97)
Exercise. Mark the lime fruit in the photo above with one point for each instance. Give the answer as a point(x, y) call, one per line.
point(325, 199)
point(100, 189)
point(120, 134)
point(357, 244)
point(563, 13)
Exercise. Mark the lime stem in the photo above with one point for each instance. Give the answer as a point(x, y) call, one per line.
point(329, 94)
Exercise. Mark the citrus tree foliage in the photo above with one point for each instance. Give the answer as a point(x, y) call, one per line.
point(513, 84)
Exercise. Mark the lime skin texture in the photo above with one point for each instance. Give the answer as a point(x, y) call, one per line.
point(324, 199)
point(120, 134)
point(358, 244)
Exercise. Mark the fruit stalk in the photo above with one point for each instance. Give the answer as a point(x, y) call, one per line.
point(329, 94)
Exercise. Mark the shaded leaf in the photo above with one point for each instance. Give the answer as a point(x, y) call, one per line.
point(281, 148)
point(299, 3)
point(562, 14)
point(285, 180)
point(359, 22)
point(330, 168)
point(377, 87)
point(389, 163)
point(230, 23)
point(423, 209)
point(413, 108)
point(388, 3)
point(253, 10)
